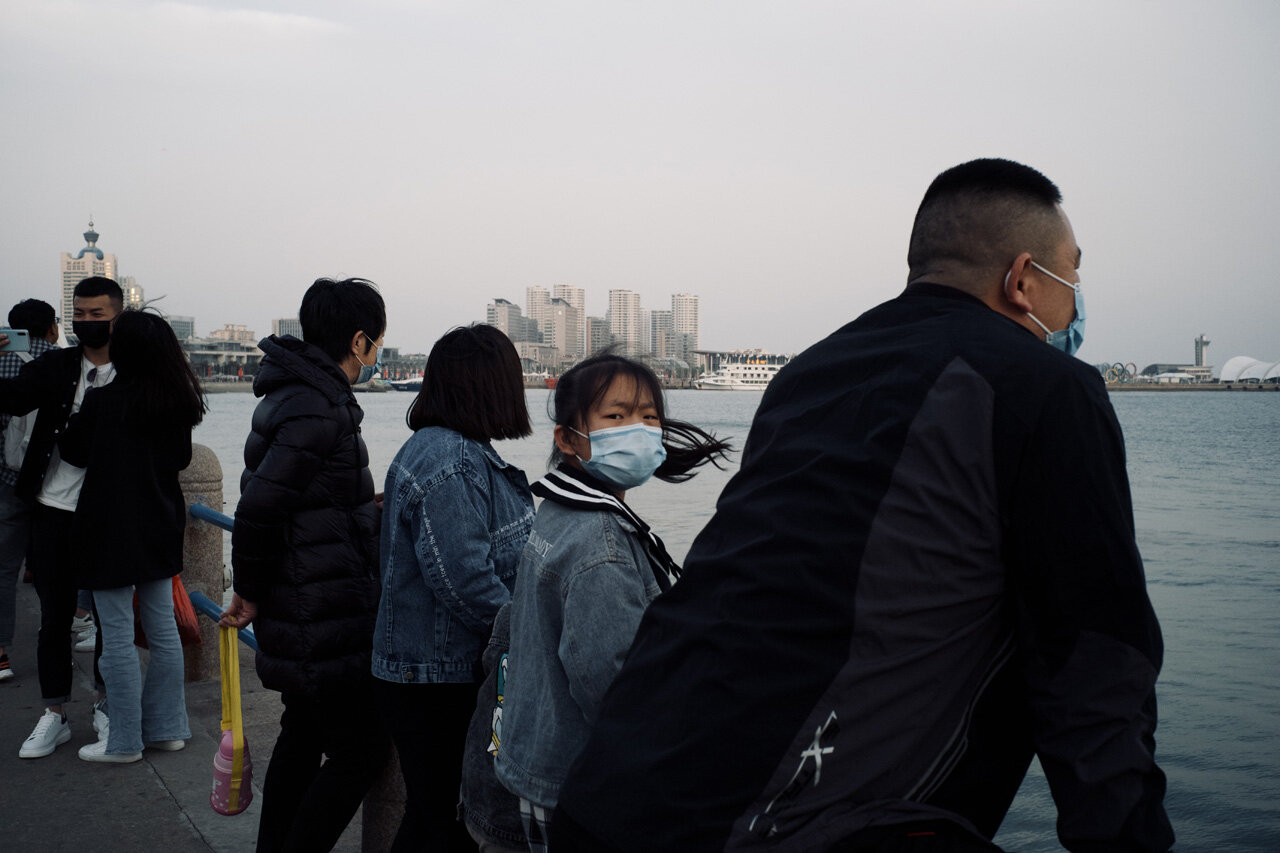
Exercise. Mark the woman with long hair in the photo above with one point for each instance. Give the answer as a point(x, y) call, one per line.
point(133, 437)
point(454, 520)
point(589, 570)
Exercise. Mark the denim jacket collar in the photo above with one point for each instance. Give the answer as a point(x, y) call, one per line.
point(572, 487)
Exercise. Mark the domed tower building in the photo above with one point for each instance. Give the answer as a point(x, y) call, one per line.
point(88, 261)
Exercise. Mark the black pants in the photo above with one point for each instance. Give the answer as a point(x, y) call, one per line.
point(306, 804)
point(54, 574)
point(428, 723)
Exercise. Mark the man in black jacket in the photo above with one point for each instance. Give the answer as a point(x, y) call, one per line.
point(305, 555)
point(55, 385)
point(924, 572)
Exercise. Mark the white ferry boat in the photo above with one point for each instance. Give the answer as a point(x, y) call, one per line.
point(748, 375)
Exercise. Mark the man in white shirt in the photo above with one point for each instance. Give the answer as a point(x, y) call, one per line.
point(55, 384)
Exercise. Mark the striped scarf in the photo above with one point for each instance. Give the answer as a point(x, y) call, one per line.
point(571, 487)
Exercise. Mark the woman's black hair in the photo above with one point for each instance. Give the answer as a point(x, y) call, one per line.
point(473, 385)
point(585, 384)
point(145, 351)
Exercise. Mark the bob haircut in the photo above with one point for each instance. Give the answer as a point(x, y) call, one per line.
point(146, 352)
point(473, 385)
point(585, 384)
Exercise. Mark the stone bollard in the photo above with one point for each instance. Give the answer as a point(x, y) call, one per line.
point(202, 555)
point(383, 809)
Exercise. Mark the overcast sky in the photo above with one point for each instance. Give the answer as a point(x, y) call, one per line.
point(766, 156)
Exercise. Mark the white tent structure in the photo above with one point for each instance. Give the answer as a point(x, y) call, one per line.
point(1243, 368)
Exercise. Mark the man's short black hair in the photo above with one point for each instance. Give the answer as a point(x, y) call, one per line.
point(473, 385)
point(97, 285)
point(333, 311)
point(984, 213)
point(34, 315)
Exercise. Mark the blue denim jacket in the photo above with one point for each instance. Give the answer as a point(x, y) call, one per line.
point(583, 584)
point(454, 519)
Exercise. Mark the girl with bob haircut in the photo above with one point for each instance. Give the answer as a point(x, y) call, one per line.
point(455, 518)
point(589, 570)
point(133, 437)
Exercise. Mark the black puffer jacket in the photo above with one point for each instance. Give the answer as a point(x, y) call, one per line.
point(305, 545)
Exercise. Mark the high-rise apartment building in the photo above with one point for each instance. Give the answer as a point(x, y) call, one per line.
point(287, 326)
point(626, 324)
point(662, 334)
point(89, 261)
point(505, 316)
point(685, 322)
point(577, 297)
point(537, 307)
point(134, 296)
point(565, 328)
point(598, 335)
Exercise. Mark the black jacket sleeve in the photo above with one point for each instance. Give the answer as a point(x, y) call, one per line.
point(1091, 644)
point(32, 387)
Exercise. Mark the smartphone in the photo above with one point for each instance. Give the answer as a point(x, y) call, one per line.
point(19, 340)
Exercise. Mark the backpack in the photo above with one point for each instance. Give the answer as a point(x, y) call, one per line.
point(17, 435)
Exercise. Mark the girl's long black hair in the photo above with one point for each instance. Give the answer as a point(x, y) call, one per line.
point(145, 351)
point(584, 385)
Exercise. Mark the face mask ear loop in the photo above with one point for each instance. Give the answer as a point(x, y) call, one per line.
point(1038, 323)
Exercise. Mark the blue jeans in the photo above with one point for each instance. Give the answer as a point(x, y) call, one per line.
point(142, 710)
point(15, 533)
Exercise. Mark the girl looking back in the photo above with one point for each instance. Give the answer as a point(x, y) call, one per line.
point(589, 570)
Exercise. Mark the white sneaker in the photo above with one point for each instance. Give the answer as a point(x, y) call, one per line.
point(166, 745)
point(82, 623)
point(52, 731)
point(86, 641)
point(98, 752)
point(101, 722)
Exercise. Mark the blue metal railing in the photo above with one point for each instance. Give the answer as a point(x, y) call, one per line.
point(199, 600)
point(212, 516)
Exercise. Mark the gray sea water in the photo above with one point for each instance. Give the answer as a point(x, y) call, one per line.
point(1205, 473)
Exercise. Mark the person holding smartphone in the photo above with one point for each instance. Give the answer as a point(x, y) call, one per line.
point(40, 323)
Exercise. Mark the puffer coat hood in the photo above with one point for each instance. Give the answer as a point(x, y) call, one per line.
point(305, 544)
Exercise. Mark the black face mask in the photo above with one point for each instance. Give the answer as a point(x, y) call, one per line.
point(94, 334)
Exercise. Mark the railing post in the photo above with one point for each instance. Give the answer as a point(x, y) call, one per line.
point(202, 567)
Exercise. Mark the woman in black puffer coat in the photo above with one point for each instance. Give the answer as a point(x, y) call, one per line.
point(305, 555)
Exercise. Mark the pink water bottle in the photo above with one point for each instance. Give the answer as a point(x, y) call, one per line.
point(220, 797)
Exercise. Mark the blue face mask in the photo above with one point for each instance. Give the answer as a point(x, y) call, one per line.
point(625, 456)
point(368, 370)
point(1069, 339)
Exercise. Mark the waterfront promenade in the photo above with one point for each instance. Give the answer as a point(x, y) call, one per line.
point(158, 804)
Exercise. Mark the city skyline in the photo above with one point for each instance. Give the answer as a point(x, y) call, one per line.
point(538, 319)
point(768, 157)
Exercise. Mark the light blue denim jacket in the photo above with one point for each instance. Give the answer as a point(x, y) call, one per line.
point(583, 584)
point(455, 517)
